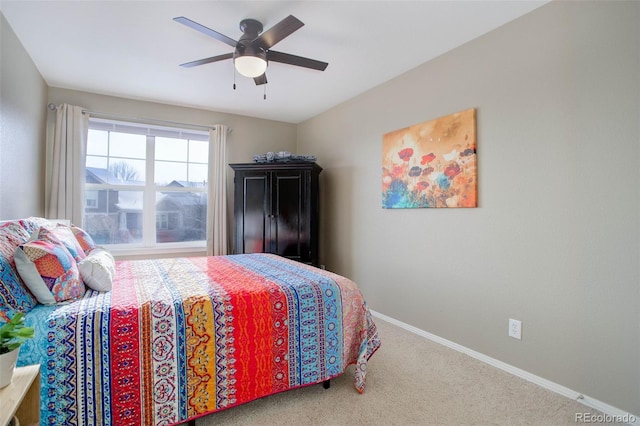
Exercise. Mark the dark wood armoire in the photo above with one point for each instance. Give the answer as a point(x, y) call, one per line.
point(276, 209)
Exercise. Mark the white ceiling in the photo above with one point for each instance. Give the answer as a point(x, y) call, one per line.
point(133, 48)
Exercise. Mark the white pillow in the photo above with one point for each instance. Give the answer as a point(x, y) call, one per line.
point(98, 269)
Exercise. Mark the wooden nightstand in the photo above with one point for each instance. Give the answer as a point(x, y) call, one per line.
point(22, 397)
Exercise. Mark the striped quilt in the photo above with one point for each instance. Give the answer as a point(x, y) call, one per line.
point(180, 338)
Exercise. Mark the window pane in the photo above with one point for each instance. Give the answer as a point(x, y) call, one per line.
point(100, 162)
point(168, 171)
point(127, 145)
point(116, 218)
point(198, 175)
point(181, 216)
point(124, 171)
point(198, 152)
point(170, 149)
point(97, 142)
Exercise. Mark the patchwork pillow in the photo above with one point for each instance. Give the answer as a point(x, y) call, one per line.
point(83, 238)
point(63, 234)
point(14, 297)
point(98, 269)
point(33, 224)
point(49, 271)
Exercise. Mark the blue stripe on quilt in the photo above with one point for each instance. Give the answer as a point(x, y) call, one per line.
point(218, 296)
point(86, 368)
point(105, 362)
point(60, 373)
point(93, 371)
point(34, 351)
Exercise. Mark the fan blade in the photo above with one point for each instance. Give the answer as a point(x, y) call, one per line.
point(261, 79)
point(207, 60)
point(298, 61)
point(207, 31)
point(276, 33)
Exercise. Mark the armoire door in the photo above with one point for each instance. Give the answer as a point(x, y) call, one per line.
point(289, 219)
point(253, 220)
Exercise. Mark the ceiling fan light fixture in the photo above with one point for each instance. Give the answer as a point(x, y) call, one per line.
point(251, 51)
point(251, 63)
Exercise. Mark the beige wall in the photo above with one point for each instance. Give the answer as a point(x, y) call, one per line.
point(23, 97)
point(555, 241)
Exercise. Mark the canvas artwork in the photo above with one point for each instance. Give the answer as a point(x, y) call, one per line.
point(432, 164)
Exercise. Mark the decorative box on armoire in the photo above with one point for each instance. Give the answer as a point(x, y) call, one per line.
point(276, 209)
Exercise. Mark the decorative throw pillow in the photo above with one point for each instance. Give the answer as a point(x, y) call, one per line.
point(33, 224)
point(49, 271)
point(83, 238)
point(14, 297)
point(63, 234)
point(98, 269)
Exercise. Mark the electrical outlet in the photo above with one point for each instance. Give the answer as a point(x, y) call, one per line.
point(515, 329)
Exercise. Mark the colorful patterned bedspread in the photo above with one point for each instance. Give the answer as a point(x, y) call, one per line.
point(180, 338)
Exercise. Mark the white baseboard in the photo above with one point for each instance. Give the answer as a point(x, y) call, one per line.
point(610, 412)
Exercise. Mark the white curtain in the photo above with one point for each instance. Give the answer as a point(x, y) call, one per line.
point(66, 190)
point(217, 241)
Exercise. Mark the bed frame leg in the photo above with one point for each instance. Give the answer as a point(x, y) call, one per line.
point(326, 384)
point(191, 423)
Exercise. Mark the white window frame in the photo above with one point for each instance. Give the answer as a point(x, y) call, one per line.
point(149, 189)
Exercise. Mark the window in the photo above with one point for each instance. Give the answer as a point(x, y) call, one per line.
point(146, 186)
point(91, 199)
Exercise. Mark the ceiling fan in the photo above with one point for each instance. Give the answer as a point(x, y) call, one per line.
point(253, 51)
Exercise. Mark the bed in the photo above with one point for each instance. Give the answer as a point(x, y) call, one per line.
point(177, 339)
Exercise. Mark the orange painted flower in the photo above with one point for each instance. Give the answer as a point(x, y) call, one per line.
point(397, 172)
point(422, 185)
point(427, 158)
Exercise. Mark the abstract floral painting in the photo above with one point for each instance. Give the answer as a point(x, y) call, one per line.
point(432, 164)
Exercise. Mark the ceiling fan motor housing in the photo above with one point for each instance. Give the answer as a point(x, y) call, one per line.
point(254, 58)
point(251, 29)
point(252, 51)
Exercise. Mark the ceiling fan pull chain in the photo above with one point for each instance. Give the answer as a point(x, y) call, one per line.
point(265, 92)
point(234, 78)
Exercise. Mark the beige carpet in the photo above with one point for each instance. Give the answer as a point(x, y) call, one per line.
point(411, 381)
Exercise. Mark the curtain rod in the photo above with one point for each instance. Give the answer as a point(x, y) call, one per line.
point(53, 107)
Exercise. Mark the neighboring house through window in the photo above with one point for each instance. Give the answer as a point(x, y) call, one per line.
point(146, 186)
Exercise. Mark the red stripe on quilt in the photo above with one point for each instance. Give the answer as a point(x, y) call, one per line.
point(253, 324)
point(280, 339)
point(125, 350)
